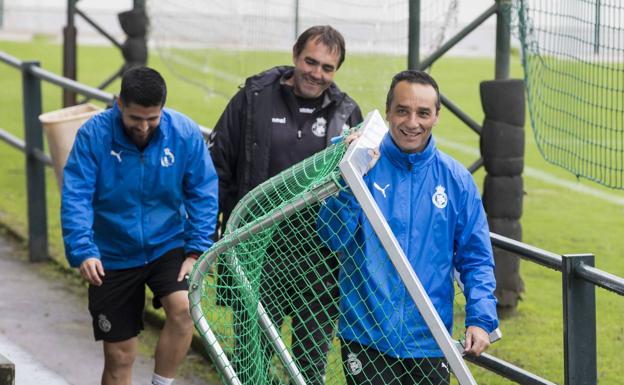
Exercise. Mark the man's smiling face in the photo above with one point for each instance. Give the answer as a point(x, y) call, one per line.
point(412, 114)
point(315, 68)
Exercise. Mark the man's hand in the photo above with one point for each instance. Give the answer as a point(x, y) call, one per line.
point(352, 137)
point(373, 153)
point(187, 267)
point(91, 269)
point(477, 341)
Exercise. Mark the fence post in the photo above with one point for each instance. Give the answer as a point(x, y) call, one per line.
point(413, 35)
point(35, 169)
point(7, 371)
point(69, 52)
point(503, 39)
point(579, 323)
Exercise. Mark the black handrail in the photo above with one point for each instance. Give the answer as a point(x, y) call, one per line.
point(10, 60)
point(532, 253)
point(507, 370)
point(65, 83)
point(601, 278)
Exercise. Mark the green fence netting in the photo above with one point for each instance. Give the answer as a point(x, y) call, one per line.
point(272, 269)
point(573, 57)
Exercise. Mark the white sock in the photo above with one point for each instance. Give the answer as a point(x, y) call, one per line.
point(160, 380)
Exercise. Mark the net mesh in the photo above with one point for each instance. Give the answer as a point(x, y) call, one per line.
point(217, 47)
point(573, 59)
point(279, 271)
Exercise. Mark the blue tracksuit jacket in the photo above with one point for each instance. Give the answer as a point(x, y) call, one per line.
point(129, 207)
point(433, 208)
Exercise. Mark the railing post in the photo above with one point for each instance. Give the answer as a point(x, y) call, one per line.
point(579, 323)
point(35, 169)
point(7, 368)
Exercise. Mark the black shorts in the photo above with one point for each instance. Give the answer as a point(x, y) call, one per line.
point(365, 365)
point(117, 305)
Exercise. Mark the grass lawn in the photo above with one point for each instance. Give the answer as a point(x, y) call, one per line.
point(556, 217)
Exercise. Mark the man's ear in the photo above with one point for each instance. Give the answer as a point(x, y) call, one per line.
point(119, 104)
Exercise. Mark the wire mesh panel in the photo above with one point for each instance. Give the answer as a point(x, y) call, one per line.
point(573, 57)
point(305, 297)
point(217, 45)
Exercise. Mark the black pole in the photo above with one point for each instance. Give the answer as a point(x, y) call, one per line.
point(451, 42)
point(106, 82)
point(139, 5)
point(69, 53)
point(507, 370)
point(413, 43)
point(503, 38)
point(35, 170)
point(461, 115)
point(95, 25)
point(477, 164)
point(579, 323)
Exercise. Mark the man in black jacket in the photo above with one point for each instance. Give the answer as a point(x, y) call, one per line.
point(280, 117)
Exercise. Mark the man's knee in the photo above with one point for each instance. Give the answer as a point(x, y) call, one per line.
point(177, 311)
point(119, 355)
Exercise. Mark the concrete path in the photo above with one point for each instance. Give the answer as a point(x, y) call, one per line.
point(45, 327)
point(29, 370)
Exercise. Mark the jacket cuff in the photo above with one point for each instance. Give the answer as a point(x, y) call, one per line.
point(193, 254)
point(488, 326)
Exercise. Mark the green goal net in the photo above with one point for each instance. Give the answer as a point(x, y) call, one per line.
point(286, 309)
point(573, 57)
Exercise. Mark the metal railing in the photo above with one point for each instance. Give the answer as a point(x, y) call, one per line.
point(579, 276)
point(32, 146)
point(579, 279)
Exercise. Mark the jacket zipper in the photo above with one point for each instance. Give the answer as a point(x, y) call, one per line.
point(142, 158)
point(406, 295)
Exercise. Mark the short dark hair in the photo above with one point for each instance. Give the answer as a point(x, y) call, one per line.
point(325, 34)
point(413, 76)
point(143, 86)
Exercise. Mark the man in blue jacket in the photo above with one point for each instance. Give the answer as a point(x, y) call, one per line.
point(139, 204)
point(433, 208)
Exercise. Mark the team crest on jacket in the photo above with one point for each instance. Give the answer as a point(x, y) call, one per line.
point(168, 159)
point(104, 324)
point(354, 364)
point(319, 127)
point(439, 198)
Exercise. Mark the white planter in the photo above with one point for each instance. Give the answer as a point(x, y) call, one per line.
point(60, 128)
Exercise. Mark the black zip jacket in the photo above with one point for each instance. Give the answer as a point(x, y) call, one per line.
point(242, 136)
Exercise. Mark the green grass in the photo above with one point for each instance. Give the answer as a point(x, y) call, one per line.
point(555, 218)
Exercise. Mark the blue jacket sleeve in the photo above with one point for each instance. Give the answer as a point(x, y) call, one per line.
point(200, 196)
point(475, 263)
point(338, 221)
point(79, 182)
